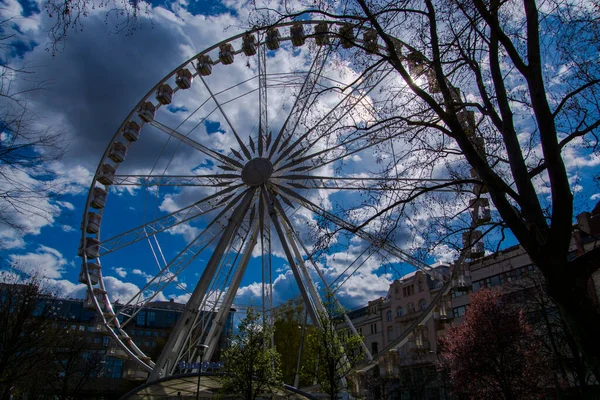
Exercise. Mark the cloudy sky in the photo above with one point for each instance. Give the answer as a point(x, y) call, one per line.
point(90, 87)
point(91, 84)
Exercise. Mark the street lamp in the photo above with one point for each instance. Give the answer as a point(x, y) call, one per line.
point(201, 347)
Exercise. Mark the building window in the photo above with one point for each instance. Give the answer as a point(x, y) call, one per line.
point(373, 328)
point(460, 311)
point(150, 318)
point(399, 311)
point(374, 347)
point(410, 308)
point(390, 333)
point(420, 286)
point(140, 319)
point(388, 315)
point(422, 305)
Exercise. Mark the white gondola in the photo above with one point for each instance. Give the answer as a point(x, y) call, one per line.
point(136, 374)
point(480, 210)
point(370, 41)
point(131, 131)
point(91, 247)
point(466, 118)
point(226, 53)
point(249, 44)
point(478, 188)
point(455, 94)
point(99, 294)
point(204, 65)
point(479, 144)
point(98, 198)
point(164, 94)
point(117, 152)
point(147, 111)
point(321, 34)
point(184, 79)
point(415, 67)
point(473, 240)
point(93, 222)
point(464, 281)
point(297, 34)
point(272, 39)
point(116, 351)
point(93, 271)
point(346, 33)
point(106, 175)
point(477, 250)
point(432, 82)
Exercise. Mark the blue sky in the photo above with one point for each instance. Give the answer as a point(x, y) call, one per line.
point(90, 87)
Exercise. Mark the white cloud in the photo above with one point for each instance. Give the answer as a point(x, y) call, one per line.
point(118, 290)
point(44, 262)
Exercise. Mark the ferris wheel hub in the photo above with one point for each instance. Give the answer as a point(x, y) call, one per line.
point(257, 171)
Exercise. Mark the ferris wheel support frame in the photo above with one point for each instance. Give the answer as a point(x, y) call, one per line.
point(168, 358)
point(282, 151)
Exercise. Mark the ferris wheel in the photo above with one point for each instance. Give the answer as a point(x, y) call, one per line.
point(247, 157)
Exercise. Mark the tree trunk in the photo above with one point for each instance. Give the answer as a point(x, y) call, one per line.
point(577, 309)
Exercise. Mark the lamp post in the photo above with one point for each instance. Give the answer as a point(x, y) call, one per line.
point(201, 347)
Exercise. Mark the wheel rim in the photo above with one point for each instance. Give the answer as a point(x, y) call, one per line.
point(253, 189)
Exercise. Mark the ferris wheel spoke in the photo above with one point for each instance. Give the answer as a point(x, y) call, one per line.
point(200, 147)
point(207, 180)
point(351, 144)
point(364, 184)
point(168, 221)
point(342, 108)
point(300, 103)
point(289, 229)
point(237, 137)
point(266, 256)
point(263, 117)
point(339, 152)
point(360, 232)
point(304, 291)
point(181, 260)
point(219, 321)
point(168, 273)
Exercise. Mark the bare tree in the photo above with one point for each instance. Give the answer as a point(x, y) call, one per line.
point(494, 93)
point(27, 145)
point(27, 334)
point(76, 362)
point(69, 15)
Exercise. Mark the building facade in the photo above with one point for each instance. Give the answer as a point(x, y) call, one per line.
point(411, 369)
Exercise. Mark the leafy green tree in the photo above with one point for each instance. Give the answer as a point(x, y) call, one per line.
point(337, 352)
point(252, 366)
point(289, 324)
